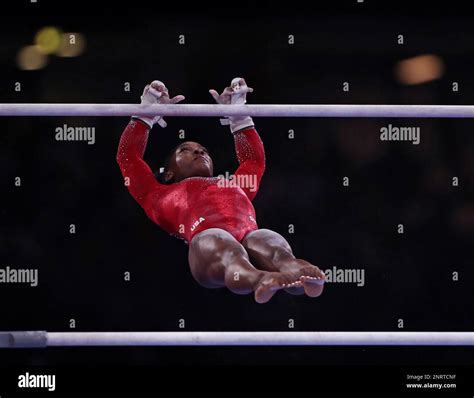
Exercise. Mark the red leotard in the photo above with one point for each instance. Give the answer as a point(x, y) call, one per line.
point(194, 204)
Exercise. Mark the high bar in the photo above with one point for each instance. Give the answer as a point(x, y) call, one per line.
point(262, 110)
point(42, 339)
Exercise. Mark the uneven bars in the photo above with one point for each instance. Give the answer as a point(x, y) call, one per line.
point(382, 111)
point(42, 339)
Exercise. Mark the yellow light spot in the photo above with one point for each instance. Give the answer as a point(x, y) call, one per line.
point(72, 45)
point(48, 39)
point(420, 69)
point(31, 58)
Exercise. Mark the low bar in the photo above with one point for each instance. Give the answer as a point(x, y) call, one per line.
point(42, 339)
point(288, 110)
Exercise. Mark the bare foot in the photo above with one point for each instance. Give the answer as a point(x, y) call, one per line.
point(295, 291)
point(311, 276)
point(271, 282)
point(313, 287)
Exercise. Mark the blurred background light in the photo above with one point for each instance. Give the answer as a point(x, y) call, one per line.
point(48, 39)
point(420, 69)
point(31, 58)
point(72, 45)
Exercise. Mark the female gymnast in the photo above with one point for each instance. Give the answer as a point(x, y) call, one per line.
point(217, 221)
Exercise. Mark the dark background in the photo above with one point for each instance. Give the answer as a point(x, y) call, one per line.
point(407, 276)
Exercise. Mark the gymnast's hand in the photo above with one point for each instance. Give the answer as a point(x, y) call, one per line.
point(235, 94)
point(156, 93)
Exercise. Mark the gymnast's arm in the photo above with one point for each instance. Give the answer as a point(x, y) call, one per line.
point(248, 145)
point(251, 156)
point(138, 176)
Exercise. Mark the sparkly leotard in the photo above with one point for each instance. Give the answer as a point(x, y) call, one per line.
point(195, 204)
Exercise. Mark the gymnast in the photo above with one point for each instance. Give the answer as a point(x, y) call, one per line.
point(226, 247)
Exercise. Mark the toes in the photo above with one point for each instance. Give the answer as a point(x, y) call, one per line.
point(292, 284)
point(312, 279)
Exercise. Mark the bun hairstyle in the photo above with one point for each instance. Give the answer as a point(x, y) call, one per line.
point(160, 173)
point(160, 176)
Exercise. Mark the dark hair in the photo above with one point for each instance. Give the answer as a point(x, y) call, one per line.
point(160, 175)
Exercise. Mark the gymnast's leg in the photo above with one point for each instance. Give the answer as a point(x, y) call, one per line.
point(270, 251)
point(217, 259)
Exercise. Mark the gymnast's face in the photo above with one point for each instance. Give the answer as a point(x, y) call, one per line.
point(190, 159)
